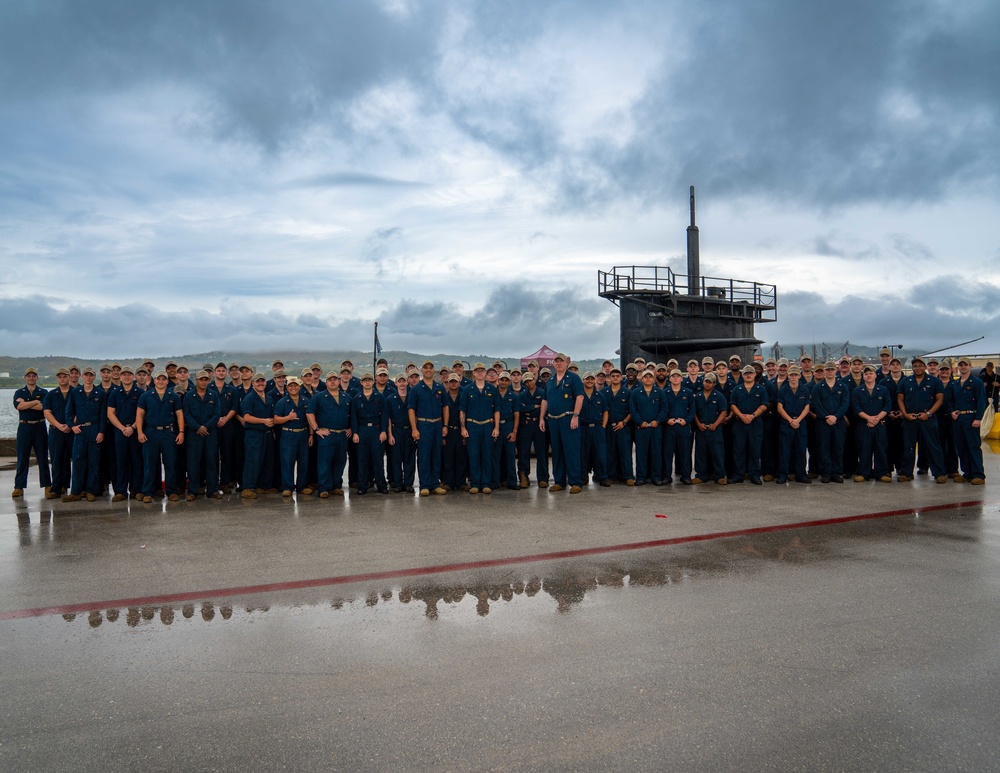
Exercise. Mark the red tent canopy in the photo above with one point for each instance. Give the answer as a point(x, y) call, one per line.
point(543, 356)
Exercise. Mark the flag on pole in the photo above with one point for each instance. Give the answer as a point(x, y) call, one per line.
point(376, 349)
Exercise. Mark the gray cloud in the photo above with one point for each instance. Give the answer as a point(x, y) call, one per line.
point(420, 319)
point(931, 315)
point(511, 318)
point(977, 302)
point(31, 325)
point(900, 247)
point(837, 245)
point(353, 179)
point(911, 249)
point(262, 71)
point(829, 104)
point(379, 249)
point(515, 319)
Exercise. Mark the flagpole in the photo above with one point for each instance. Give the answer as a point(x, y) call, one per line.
point(375, 348)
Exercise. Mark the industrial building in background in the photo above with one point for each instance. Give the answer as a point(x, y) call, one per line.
point(663, 314)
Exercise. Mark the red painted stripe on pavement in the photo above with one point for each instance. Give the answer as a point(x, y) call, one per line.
point(392, 574)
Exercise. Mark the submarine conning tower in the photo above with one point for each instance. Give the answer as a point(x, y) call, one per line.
point(663, 314)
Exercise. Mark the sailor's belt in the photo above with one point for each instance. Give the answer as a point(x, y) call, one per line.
point(430, 420)
point(529, 418)
point(960, 413)
point(300, 429)
point(343, 431)
point(367, 424)
point(39, 421)
point(559, 415)
point(484, 421)
point(165, 426)
point(85, 425)
point(590, 424)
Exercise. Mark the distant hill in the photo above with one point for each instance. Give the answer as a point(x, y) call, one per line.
point(47, 366)
point(328, 360)
point(823, 351)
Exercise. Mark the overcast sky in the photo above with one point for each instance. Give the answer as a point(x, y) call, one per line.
point(187, 176)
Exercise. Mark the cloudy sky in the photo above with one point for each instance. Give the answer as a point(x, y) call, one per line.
point(188, 176)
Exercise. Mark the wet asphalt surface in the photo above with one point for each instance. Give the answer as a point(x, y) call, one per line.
point(390, 633)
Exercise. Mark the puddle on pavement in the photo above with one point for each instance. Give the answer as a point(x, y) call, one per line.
point(528, 592)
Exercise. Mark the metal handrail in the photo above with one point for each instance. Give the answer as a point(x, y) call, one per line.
point(662, 279)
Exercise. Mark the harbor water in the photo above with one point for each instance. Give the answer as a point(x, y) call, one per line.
point(8, 416)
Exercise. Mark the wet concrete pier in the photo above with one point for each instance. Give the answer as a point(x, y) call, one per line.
point(823, 627)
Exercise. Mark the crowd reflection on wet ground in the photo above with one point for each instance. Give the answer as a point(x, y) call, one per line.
point(566, 584)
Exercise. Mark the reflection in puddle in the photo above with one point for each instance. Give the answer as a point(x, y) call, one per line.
point(562, 586)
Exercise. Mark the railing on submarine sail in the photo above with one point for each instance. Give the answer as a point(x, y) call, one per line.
point(737, 294)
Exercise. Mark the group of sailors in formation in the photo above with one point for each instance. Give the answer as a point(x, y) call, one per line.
point(149, 433)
